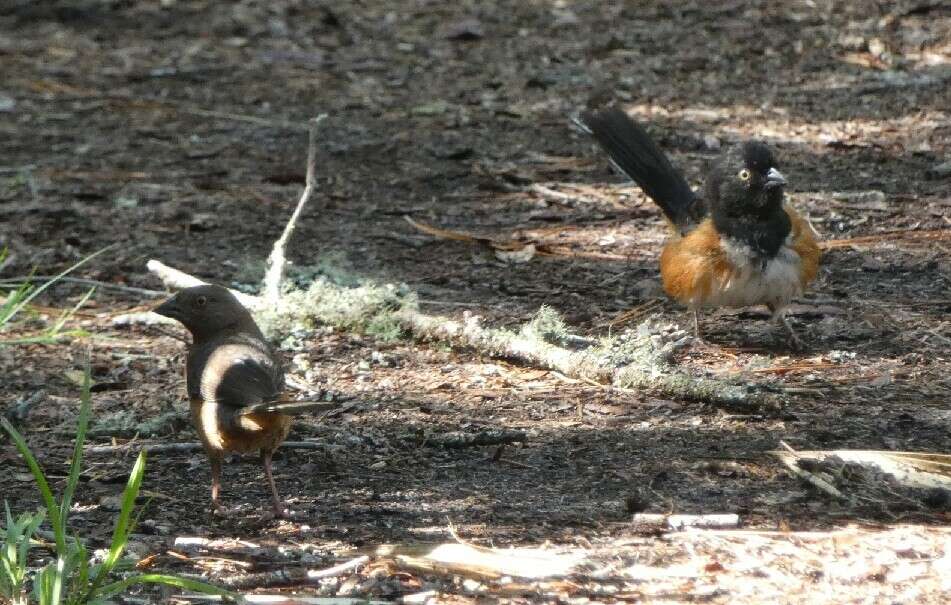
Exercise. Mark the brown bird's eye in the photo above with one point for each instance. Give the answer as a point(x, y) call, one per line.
point(744, 175)
point(201, 301)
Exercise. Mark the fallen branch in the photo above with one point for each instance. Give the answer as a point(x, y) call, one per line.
point(646, 366)
point(173, 278)
point(142, 318)
point(276, 261)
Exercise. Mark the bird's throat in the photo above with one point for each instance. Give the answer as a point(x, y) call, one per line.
point(763, 235)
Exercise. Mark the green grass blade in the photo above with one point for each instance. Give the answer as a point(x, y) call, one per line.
point(51, 579)
point(85, 407)
point(78, 572)
point(12, 561)
point(44, 339)
point(37, 291)
point(55, 330)
point(11, 302)
point(28, 530)
point(43, 585)
point(40, 479)
point(56, 582)
point(83, 580)
point(123, 526)
point(183, 583)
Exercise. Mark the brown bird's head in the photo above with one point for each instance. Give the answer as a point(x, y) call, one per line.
point(207, 311)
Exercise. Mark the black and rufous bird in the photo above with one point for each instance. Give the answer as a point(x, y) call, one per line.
point(736, 243)
point(235, 381)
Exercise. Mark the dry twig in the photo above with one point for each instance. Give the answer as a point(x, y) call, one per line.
point(275, 262)
point(790, 458)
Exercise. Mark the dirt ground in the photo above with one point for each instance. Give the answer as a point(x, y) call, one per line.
point(176, 130)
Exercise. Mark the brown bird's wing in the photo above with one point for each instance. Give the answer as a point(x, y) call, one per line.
point(235, 371)
point(249, 380)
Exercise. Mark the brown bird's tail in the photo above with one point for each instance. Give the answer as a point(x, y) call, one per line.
point(289, 408)
point(634, 153)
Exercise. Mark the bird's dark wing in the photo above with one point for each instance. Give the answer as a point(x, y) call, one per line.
point(247, 381)
point(236, 371)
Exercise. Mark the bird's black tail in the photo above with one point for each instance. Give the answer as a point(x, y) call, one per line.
point(634, 153)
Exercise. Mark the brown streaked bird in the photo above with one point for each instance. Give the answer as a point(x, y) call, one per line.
point(737, 244)
point(235, 381)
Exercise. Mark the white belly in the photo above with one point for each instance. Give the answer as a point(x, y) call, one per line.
point(752, 283)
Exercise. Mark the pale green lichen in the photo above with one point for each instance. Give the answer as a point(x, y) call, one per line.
point(547, 325)
point(368, 309)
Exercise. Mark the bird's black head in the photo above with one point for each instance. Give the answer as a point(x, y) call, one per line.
point(746, 181)
point(208, 310)
point(745, 196)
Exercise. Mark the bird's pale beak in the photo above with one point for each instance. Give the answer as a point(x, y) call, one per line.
point(774, 178)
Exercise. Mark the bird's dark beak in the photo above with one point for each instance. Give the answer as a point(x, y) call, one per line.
point(774, 178)
point(169, 308)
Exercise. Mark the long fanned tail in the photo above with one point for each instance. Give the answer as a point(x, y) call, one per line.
point(634, 153)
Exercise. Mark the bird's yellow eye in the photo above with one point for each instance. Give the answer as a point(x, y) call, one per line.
point(744, 175)
point(201, 301)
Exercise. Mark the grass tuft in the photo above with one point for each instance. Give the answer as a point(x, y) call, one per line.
point(18, 298)
point(71, 577)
